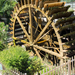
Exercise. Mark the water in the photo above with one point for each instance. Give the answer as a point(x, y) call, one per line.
point(1, 67)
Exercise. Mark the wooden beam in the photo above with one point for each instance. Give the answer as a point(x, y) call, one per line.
point(45, 34)
point(37, 53)
point(16, 8)
point(60, 42)
point(11, 28)
point(38, 22)
point(21, 3)
point(42, 32)
point(41, 41)
point(30, 15)
point(48, 51)
point(54, 4)
point(23, 28)
point(52, 47)
point(28, 1)
point(25, 42)
point(11, 24)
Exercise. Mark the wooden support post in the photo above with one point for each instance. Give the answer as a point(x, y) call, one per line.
point(30, 15)
point(69, 67)
point(74, 65)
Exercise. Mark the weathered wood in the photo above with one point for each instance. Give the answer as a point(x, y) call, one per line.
point(48, 51)
point(57, 9)
point(42, 31)
point(51, 1)
point(36, 2)
point(24, 2)
point(11, 28)
point(69, 34)
point(23, 28)
point(67, 26)
point(62, 14)
point(19, 5)
point(31, 24)
point(40, 4)
point(12, 20)
point(44, 34)
point(54, 4)
point(11, 24)
point(60, 21)
point(38, 53)
point(11, 32)
point(16, 8)
point(41, 41)
point(69, 67)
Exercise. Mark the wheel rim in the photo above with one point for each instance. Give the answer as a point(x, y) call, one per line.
point(53, 41)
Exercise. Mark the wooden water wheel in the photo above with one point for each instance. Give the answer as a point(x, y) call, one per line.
point(44, 26)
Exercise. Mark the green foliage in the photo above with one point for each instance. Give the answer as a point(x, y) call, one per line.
point(3, 32)
point(18, 58)
point(6, 6)
point(2, 46)
point(3, 35)
point(34, 66)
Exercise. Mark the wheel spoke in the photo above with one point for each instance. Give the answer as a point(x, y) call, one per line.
point(30, 15)
point(44, 34)
point(48, 51)
point(42, 31)
point(37, 53)
point(23, 28)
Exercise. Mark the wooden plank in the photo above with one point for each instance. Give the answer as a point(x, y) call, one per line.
point(38, 53)
point(36, 2)
point(48, 51)
point(41, 41)
point(31, 24)
point(25, 42)
point(23, 28)
point(51, 1)
point(60, 42)
point(44, 34)
point(11, 24)
point(11, 28)
point(54, 4)
point(61, 21)
point(12, 20)
point(21, 3)
point(42, 31)
point(62, 14)
point(24, 2)
point(69, 67)
point(56, 10)
point(74, 64)
point(17, 9)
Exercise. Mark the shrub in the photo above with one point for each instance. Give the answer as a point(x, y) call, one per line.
point(18, 58)
point(3, 32)
point(3, 35)
point(35, 65)
point(2, 46)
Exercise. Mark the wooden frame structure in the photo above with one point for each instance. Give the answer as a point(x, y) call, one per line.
point(40, 33)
